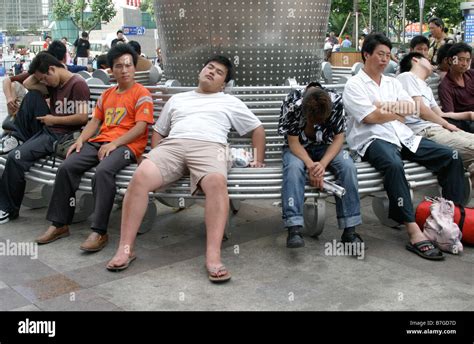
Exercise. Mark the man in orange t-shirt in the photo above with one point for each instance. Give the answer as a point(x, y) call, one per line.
point(123, 113)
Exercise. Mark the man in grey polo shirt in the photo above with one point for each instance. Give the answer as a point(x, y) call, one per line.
point(376, 107)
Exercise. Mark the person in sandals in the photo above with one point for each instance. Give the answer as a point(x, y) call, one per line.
point(191, 134)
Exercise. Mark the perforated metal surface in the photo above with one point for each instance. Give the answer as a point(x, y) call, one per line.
point(268, 41)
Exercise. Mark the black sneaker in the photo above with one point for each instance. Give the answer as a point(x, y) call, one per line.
point(295, 238)
point(7, 216)
point(352, 238)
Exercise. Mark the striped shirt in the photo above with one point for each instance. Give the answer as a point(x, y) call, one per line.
point(292, 122)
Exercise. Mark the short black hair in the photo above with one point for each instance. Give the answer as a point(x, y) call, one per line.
point(226, 62)
point(84, 34)
point(119, 50)
point(371, 42)
point(437, 21)
point(102, 61)
point(57, 49)
point(443, 52)
point(42, 62)
point(48, 36)
point(420, 39)
point(406, 63)
point(135, 46)
point(64, 38)
point(316, 104)
point(459, 48)
point(119, 31)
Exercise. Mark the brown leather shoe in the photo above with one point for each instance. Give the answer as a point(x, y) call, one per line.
point(95, 242)
point(52, 234)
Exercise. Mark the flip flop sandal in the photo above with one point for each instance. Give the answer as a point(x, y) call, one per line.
point(425, 249)
point(121, 267)
point(215, 275)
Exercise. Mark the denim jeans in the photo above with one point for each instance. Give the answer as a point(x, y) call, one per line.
point(442, 160)
point(294, 180)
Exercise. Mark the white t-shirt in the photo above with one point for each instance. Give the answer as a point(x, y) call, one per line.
point(360, 94)
point(416, 87)
point(204, 117)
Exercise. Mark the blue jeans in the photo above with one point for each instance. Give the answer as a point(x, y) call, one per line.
point(294, 180)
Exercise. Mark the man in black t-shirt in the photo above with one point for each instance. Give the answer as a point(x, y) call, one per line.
point(120, 39)
point(82, 47)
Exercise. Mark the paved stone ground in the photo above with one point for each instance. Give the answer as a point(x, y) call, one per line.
point(169, 273)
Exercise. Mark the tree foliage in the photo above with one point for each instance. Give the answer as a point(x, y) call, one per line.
point(101, 11)
point(148, 6)
point(449, 11)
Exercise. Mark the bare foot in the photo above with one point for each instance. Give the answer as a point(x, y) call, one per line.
point(123, 257)
point(414, 233)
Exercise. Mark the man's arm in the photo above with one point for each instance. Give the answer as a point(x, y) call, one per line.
point(78, 118)
point(332, 150)
point(32, 84)
point(258, 143)
point(382, 115)
point(130, 136)
point(467, 115)
point(429, 115)
point(10, 95)
point(90, 129)
point(155, 139)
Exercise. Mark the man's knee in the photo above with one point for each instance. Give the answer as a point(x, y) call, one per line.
point(147, 176)
point(214, 182)
point(102, 172)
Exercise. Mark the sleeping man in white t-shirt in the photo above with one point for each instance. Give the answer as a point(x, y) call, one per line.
point(429, 121)
point(191, 135)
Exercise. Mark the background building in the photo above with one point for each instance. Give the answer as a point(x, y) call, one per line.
point(24, 15)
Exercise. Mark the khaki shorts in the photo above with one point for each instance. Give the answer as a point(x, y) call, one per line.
point(178, 157)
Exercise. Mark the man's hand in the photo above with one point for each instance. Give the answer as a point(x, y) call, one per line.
point(400, 118)
point(256, 163)
point(106, 149)
point(76, 146)
point(317, 169)
point(12, 105)
point(315, 181)
point(452, 127)
point(47, 120)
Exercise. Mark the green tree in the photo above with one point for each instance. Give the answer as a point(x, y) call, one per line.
point(449, 11)
point(101, 11)
point(148, 6)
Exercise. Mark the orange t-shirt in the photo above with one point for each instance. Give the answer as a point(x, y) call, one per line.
point(119, 112)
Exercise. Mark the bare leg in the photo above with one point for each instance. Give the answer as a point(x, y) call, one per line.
point(146, 178)
point(216, 212)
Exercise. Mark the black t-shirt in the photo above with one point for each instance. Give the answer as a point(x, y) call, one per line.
point(82, 45)
point(115, 41)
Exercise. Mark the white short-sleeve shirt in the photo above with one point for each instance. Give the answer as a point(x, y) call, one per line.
point(416, 87)
point(360, 94)
point(204, 117)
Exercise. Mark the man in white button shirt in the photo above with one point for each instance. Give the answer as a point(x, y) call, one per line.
point(191, 135)
point(376, 107)
point(429, 123)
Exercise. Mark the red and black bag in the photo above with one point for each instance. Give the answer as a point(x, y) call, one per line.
point(463, 217)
